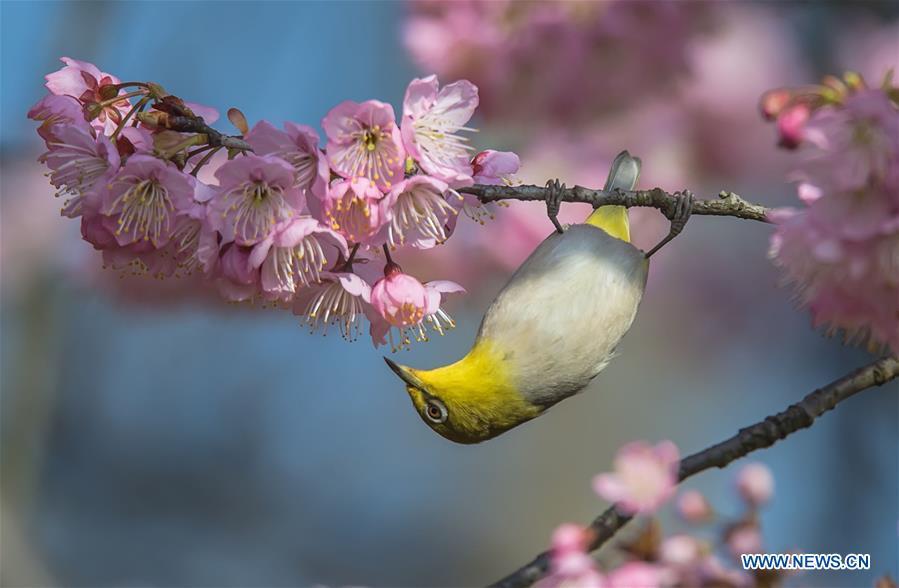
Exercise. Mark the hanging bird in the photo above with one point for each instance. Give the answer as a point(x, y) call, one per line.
point(551, 329)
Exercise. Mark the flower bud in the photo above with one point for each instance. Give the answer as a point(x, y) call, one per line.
point(693, 507)
point(108, 91)
point(755, 483)
point(791, 125)
point(773, 102)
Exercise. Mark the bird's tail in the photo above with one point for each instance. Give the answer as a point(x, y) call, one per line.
point(613, 219)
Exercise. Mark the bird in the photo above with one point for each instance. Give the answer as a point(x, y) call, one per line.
point(552, 328)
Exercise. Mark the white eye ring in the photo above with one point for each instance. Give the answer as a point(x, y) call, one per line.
point(435, 411)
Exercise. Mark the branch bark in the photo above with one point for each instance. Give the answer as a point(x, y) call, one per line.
point(760, 435)
point(727, 203)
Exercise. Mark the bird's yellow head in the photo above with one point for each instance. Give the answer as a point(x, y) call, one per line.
point(469, 401)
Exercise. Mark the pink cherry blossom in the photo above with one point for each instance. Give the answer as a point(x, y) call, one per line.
point(142, 199)
point(207, 113)
point(194, 244)
point(236, 280)
point(791, 125)
point(364, 142)
point(79, 162)
point(644, 478)
point(294, 255)
point(56, 112)
point(495, 167)
point(854, 146)
point(693, 507)
point(713, 572)
point(354, 209)
point(298, 145)
point(841, 250)
point(570, 564)
point(744, 538)
point(432, 118)
point(255, 193)
point(397, 304)
point(85, 82)
point(755, 483)
point(637, 574)
point(399, 298)
point(680, 551)
point(434, 314)
point(340, 299)
point(419, 212)
point(773, 102)
point(530, 57)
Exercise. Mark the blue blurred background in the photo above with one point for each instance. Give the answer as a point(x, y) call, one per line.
point(178, 442)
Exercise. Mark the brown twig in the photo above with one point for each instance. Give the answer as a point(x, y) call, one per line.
point(727, 203)
point(752, 438)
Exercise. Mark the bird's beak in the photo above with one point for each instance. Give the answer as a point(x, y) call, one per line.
point(405, 374)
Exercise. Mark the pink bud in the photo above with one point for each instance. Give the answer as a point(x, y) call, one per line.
point(744, 539)
point(680, 550)
point(791, 125)
point(693, 507)
point(569, 538)
point(399, 298)
point(773, 102)
point(755, 483)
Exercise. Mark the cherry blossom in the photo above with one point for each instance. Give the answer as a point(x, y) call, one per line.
point(644, 478)
point(364, 142)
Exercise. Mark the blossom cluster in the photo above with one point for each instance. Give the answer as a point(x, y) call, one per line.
point(840, 248)
point(551, 60)
point(643, 481)
point(281, 220)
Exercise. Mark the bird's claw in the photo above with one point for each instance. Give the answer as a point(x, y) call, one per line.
point(683, 207)
point(554, 202)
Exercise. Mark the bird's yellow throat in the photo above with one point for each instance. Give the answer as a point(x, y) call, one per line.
point(479, 393)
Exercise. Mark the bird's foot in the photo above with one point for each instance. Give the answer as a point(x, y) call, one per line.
point(683, 207)
point(554, 202)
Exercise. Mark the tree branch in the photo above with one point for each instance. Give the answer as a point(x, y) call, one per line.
point(754, 437)
point(727, 203)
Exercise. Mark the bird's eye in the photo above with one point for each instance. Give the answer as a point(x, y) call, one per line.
point(435, 411)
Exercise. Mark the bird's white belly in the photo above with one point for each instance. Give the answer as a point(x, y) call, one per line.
point(562, 314)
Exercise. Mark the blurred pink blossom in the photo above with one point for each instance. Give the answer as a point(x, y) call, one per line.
point(570, 564)
point(680, 551)
point(645, 477)
point(791, 125)
point(743, 539)
point(841, 250)
point(364, 142)
point(693, 507)
point(755, 483)
point(637, 574)
point(531, 57)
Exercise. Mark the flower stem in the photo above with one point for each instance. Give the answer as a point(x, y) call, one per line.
point(203, 161)
point(121, 97)
point(134, 109)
